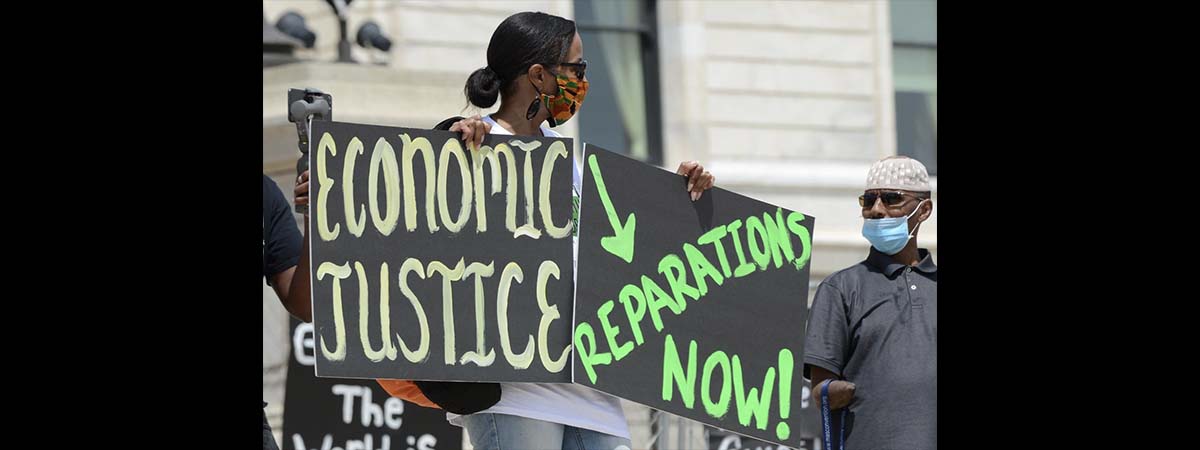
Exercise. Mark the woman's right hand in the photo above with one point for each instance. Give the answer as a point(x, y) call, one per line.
point(473, 129)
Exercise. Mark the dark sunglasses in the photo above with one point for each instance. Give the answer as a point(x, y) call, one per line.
point(890, 198)
point(580, 67)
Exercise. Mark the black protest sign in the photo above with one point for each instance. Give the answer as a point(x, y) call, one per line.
point(694, 308)
point(810, 424)
point(331, 414)
point(435, 262)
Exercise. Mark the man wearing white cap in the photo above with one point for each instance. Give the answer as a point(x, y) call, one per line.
point(871, 344)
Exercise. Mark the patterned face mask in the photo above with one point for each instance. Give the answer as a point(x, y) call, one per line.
point(567, 101)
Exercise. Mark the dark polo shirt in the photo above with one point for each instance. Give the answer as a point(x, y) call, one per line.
point(875, 324)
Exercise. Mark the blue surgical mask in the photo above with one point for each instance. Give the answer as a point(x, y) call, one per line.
point(889, 235)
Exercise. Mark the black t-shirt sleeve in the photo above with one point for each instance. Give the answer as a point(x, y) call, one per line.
point(281, 237)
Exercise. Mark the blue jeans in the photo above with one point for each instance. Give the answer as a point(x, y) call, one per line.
point(504, 432)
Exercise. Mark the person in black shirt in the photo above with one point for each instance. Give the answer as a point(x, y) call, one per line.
point(282, 244)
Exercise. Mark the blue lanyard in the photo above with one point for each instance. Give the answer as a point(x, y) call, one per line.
point(825, 418)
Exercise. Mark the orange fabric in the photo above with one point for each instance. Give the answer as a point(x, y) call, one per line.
point(408, 391)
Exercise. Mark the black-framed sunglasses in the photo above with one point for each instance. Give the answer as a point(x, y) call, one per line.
point(890, 198)
point(580, 67)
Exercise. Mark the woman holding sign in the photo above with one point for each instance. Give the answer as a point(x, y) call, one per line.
point(536, 69)
point(537, 72)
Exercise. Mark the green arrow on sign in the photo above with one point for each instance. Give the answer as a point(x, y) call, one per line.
point(621, 242)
